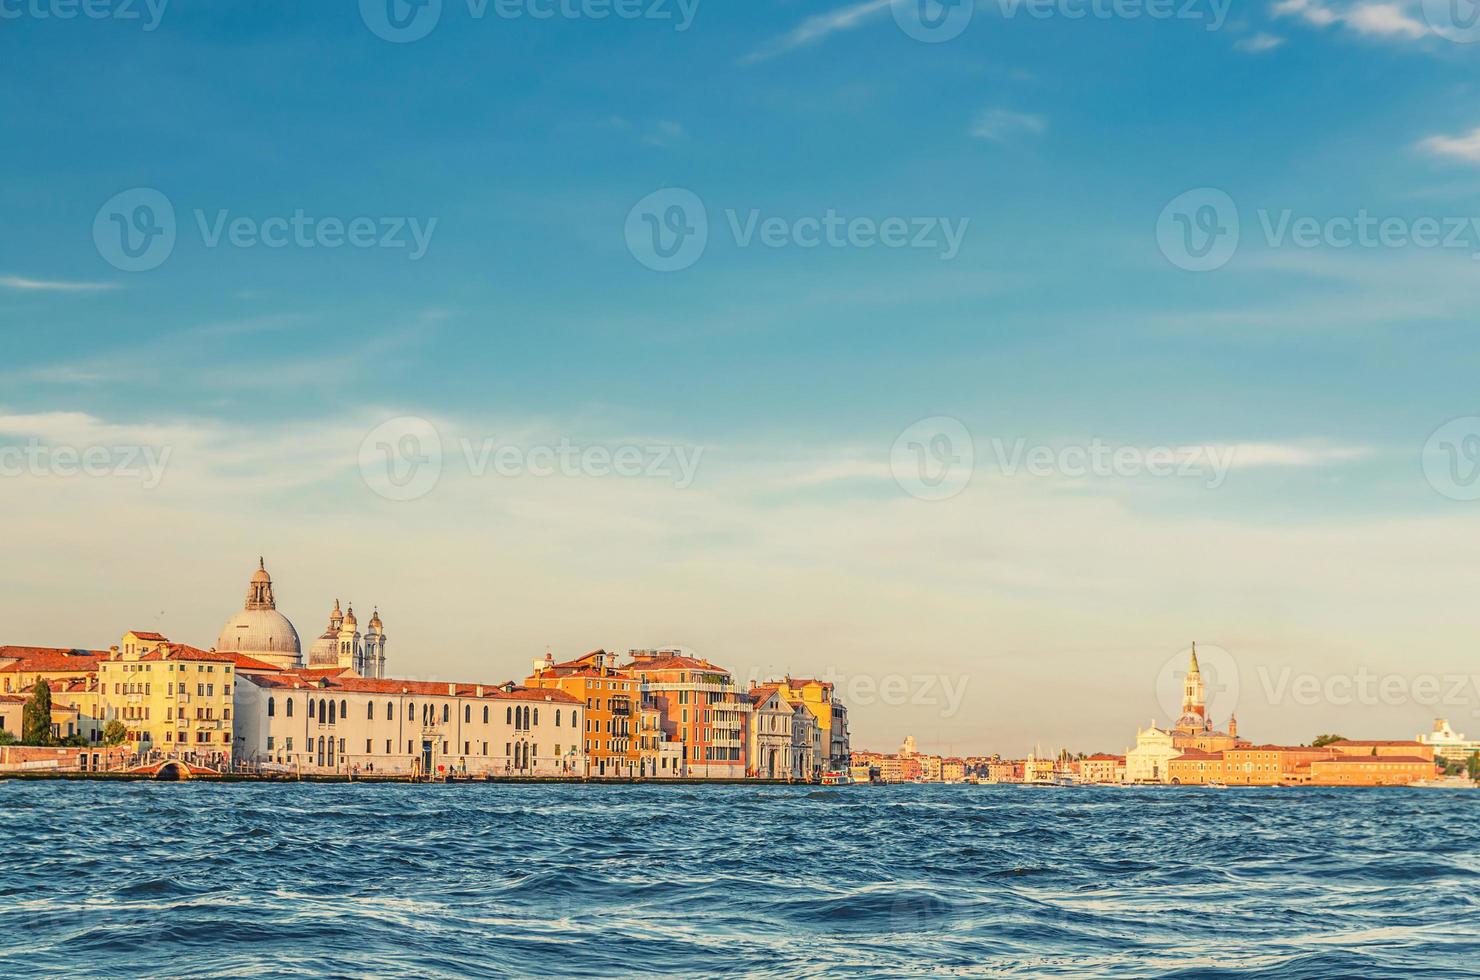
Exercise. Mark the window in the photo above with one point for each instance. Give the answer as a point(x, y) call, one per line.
point(343, 709)
point(369, 714)
point(508, 716)
point(269, 742)
point(485, 721)
point(445, 713)
point(331, 712)
point(368, 749)
point(289, 707)
point(536, 716)
point(467, 713)
point(310, 707)
point(557, 721)
point(271, 707)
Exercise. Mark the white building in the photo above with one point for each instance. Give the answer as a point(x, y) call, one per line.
point(324, 721)
point(1147, 762)
point(770, 734)
point(1449, 744)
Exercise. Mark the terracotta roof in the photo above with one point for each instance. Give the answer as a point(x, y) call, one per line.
point(183, 651)
point(1376, 742)
point(29, 659)
point(674, 662)
point(1372, 760)
point(1105, 757)
point(147, 635)
point(367, 685)
point(763, 693)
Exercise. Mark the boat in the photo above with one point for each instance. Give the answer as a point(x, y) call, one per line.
point(1215, 784)
point(1444, 782)
point(836, 778)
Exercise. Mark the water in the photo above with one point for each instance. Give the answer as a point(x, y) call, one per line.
point(411, 881)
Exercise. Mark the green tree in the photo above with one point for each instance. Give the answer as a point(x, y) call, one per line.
point(114, 733)
point(36, 716)
point(6, 738)
point(1474, 766)
point(1321, 741)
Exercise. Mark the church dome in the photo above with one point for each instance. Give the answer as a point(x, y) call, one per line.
point(259, 630)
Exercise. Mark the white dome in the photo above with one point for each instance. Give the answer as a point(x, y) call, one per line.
point(260, 633)
point(325, 651)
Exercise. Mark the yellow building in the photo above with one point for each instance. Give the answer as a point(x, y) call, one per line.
point(174, 700)
point(22, 667)
point(831, 714)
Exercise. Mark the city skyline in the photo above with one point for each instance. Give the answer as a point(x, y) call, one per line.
point(872, 424)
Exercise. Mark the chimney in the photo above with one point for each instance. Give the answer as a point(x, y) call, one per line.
point(452, 690)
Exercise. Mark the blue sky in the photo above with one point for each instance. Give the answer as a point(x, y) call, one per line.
point(1056, 143)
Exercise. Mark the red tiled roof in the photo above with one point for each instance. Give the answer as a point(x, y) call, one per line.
point(30, 659)
point(674, 662)
point(146, 635)
point(368, 685)
point(1375, 743)
point(1370, 760)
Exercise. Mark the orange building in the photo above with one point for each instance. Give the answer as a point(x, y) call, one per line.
point(1370, 770)
point(612, 697)
point(22, 667)
point(1382, 748)
point(702, 709)
point(1195, 767)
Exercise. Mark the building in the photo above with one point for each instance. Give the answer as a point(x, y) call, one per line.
point(770, 748)
point(806, 743)
point(1194, 729)
point(1396, 748)
point(342, 645)
point(831, 714)
point(261, 632)
point(659, 758)
point(612, 698)
point(701, 708)
point(1448, 744)
point(1101, 768)
point(22, 667)
point(1148, 761)
point(315, 722)
point(173, 699)
point(1371, 770)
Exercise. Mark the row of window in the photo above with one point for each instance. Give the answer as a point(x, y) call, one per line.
point(327, 712)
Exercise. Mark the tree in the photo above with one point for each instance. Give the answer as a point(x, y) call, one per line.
point(1474, 766)
point(6, 738)
point(36, 716)
point(114, 733)
point(1321, 741)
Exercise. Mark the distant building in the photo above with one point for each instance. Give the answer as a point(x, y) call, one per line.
point(702, 710)
point(612, 698)
point(1448, 744)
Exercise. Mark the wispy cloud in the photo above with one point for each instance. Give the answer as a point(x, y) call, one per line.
point(818, 28)
point(1381, 20)
point(1466, 147)
point(1251, 454)
point(666, 133)
point(53, 285)
point(1002, 125)
point(1259, 43)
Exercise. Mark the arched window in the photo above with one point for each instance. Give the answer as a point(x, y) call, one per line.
point(557, 717)
point(271, 707)
point(369, 710)
point(310, 707)
point(573, 721)
point(467, 713)
point(331, 712)
point(485, 718)
point(536, 716)
point(526, 717)
point(390, 711)
point(446, 709)
point(289, 706)
point(344, 709)
point(508, 716)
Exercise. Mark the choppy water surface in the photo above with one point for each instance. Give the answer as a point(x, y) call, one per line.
point(410, 881)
